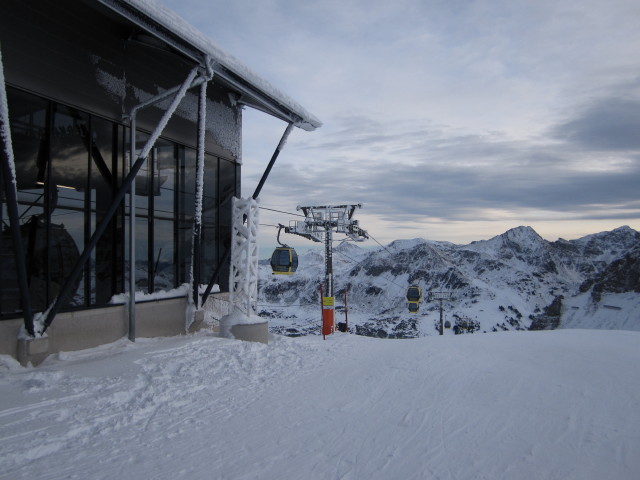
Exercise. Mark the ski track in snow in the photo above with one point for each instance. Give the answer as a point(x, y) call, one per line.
point(526, 405)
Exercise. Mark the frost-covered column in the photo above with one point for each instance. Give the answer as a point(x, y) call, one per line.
point(243, 277)
point(193, 297)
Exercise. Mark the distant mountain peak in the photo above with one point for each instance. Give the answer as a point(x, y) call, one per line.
point(503, 283)
point(523, 229)
point(522, 233)
point(405, 244)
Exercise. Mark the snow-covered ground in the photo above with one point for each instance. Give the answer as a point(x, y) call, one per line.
point(516, 405)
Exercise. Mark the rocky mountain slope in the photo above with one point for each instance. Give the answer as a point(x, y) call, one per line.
point(514, 281)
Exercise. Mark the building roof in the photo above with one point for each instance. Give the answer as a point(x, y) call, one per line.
point(254, 91)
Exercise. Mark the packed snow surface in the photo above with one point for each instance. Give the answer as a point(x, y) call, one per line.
point(516, 405)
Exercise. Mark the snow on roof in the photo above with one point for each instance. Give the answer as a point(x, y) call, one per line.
point(186, 32)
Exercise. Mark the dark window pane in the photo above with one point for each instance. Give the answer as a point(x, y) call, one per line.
point(209, 240)
point(227, 192)
point(105, 155)
point(186, 207)
point(143, 187)
point(164, 173)
point(67, 187)
point(28, 119)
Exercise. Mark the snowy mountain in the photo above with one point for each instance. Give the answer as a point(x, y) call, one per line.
point(514, 281)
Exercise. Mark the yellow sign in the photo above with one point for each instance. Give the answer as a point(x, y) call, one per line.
point(327, 302)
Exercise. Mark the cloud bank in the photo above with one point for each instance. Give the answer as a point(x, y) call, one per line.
point(437, 114)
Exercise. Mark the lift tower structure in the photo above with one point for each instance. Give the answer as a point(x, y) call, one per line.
point(319, 225)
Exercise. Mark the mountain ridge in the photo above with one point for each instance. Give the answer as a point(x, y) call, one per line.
point(508, 282)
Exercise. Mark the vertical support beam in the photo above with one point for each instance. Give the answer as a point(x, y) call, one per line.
point(11, 193)
point(243, 275)
point(132, 230)
point(322, 313)
point(328, 261)
point(346, 311)
point(194, 277)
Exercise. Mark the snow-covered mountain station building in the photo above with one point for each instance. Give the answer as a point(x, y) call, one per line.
point(78, 78)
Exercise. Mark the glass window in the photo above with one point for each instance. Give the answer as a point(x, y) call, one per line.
point(209, 240)
point(28, 116)
point(186, 209)
point(143, 185)
point(106, 147)
point(164, 235)
point(69, 164)
point(227, 192)
point(66, 199)
point(66, 161)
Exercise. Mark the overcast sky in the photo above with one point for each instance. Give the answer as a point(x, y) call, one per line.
point(447, 119)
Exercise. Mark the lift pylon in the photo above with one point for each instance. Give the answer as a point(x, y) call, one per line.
point(441, 296)
point(319, 225)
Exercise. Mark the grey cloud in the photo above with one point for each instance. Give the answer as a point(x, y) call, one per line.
point(606, 124)
point(455, 194)
point(457, 176)
point(412, 169)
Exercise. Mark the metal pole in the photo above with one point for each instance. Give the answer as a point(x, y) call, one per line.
point(132, 231)
point(322, 313)
point(11, 193)
point(197, 219)
point(328, 261)
point(346, 310)
point(441, 319)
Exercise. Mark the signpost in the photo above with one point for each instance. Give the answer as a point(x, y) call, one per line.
point(441, 296)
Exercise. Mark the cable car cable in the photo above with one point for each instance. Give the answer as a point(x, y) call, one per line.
point(388, 251)
point(412, 304)
point(280, 211)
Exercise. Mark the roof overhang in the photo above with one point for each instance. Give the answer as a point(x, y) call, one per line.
point(252, 90)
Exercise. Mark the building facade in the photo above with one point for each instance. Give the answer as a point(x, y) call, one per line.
point(80, 77)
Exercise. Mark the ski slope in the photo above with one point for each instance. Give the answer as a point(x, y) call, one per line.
point(516, 405)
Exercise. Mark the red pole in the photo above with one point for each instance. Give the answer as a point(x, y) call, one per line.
point(321, 314)
point(346, 310)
